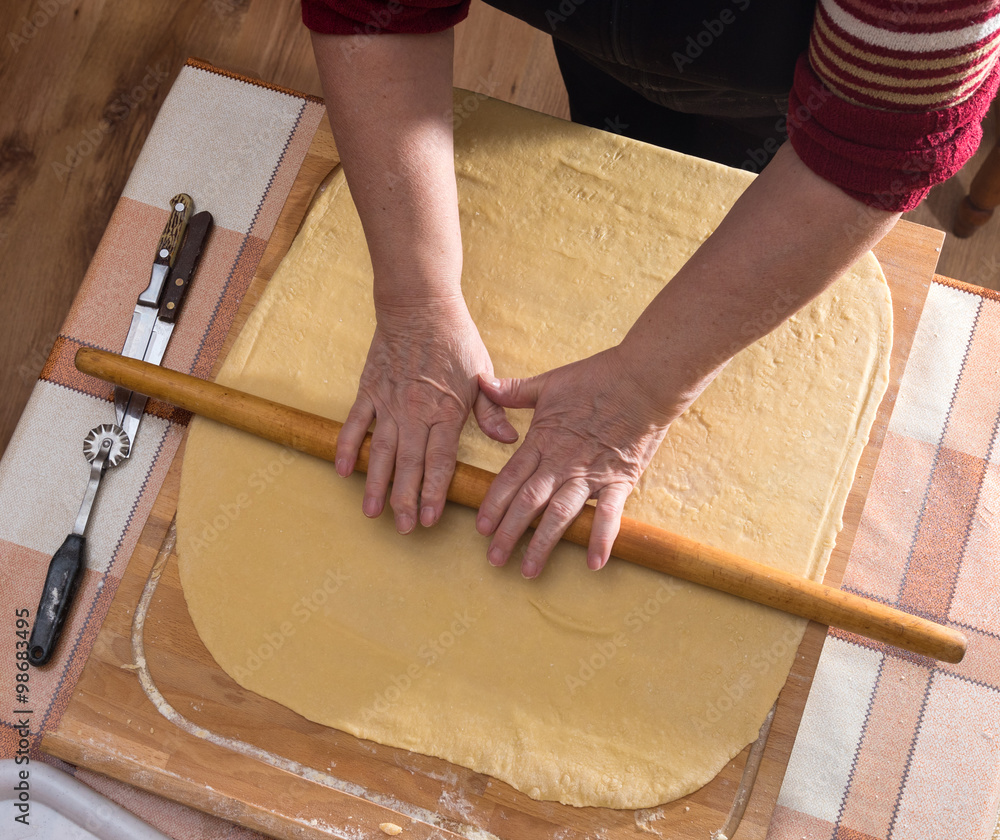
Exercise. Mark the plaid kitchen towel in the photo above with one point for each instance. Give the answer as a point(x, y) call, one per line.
point(891, 745)
point(894, 745)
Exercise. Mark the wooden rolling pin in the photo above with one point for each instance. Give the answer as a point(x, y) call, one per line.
point(637, 542)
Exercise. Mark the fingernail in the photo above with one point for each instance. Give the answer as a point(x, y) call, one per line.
point(342, 467)
point(484, 526)
point(404, 523)
point(428, 516)
point(495, 383)
point(507, 430)
point(495, 557)
point(371, 507)
point(595, 564)
point(529, 571)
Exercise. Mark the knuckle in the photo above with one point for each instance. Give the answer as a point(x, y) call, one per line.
point(541, 546)
point(431, 494)
point(357, 422)
point(441, 453)
point(601, 541)
point(450, 412)
point(486, 408)
point(382, 447)
point(533, 496)
point(402, 500)
point(409, 461)
point(436, 485)
point(506, 536)
point(561, 509)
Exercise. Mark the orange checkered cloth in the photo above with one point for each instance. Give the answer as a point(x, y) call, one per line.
point(891, 745)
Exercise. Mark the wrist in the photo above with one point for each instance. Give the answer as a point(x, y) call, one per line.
point(663, 386)
point(416, 290)
point(419, 302)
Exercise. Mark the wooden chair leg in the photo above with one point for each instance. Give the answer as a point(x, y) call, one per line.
point(984, 194)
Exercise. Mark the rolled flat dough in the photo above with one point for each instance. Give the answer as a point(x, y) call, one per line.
point(621, 688)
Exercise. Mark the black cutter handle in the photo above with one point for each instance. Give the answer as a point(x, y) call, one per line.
point(61, 583)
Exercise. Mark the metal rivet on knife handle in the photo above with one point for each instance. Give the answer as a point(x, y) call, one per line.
point(637, 542)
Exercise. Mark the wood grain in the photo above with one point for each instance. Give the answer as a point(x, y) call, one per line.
point(111, 726)
point(83, 82)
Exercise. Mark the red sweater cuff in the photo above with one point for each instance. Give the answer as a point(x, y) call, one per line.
point(886, 159)
point(375, 17)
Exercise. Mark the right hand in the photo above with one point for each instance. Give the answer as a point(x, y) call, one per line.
point(593, 432)
point(419, 383)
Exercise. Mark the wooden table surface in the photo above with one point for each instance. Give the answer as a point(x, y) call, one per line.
point(153, 709)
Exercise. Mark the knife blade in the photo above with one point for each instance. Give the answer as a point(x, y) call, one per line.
point(170, 307)
point(144, 314)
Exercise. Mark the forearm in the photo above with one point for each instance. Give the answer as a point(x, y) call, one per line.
point(389, 100)
point(787, 238)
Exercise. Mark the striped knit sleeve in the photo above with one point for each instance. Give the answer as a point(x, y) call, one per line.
point(891, 95)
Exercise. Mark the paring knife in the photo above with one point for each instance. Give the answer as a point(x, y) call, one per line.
point(170, 307)
point(144, 315)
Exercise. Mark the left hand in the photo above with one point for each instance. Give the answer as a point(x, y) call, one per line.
point(592, 435)
point(419, 384)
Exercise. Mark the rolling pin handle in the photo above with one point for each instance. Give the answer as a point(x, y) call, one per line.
point(60, 585)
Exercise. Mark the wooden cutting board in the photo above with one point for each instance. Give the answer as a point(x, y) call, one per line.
point(153, 709)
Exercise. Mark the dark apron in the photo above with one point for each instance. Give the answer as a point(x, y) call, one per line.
point(705, 78)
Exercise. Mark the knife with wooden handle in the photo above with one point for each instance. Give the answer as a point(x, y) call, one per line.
point(637, 542)
point(144, 314)
point(172, 297)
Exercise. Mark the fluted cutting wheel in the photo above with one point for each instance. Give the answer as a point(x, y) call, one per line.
point(107, 431)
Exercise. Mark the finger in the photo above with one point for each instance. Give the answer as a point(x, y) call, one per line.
point(529, 502)
point(504, 488)
point(410, 448)
point(512, 393)
point(607, 522)
point(564, 506)
point(439, 467)
point(381, 462)
point(492, 419)
point(352, 434)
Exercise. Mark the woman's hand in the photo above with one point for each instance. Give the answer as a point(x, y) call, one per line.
point(592, 435)
point(419, 384)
